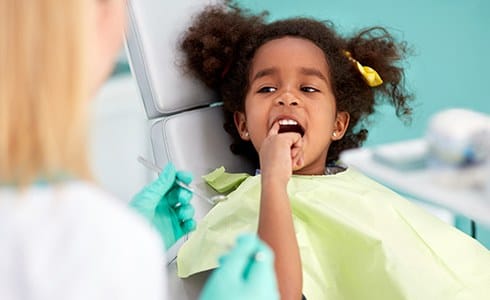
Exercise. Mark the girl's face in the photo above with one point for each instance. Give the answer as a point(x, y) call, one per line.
point(289, 84)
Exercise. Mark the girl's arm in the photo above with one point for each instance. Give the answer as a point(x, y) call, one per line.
point(278, 154)
point(277, 230)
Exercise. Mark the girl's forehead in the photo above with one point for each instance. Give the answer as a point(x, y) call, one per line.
point(289, 51)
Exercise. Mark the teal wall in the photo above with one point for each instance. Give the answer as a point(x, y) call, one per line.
point(451, 62)
point(451, 39)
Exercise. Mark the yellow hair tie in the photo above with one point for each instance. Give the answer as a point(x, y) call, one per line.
point(371, 77)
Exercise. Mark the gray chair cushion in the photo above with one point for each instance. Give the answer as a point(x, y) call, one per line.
point(154, 29)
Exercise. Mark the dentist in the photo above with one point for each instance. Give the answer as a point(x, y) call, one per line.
point(61, 236)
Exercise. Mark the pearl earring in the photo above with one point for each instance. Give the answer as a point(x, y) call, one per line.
point(245, 134)
point(334, 134)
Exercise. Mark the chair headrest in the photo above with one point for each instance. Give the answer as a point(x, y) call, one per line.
point(152, 40)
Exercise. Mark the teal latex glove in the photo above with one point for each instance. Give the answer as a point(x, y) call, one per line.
point(167, 205)
point(246, 272)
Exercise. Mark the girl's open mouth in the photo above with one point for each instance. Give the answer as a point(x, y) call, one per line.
point(289, 125)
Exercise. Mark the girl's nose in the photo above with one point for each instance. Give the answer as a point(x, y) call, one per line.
point(287, 99)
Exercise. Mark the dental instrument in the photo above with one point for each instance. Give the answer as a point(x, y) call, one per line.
point(213, 200)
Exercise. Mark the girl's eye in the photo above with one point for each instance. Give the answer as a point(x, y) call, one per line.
point(267, 89)
point(309, 89)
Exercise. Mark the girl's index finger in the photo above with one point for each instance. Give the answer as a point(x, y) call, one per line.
point(274, 129)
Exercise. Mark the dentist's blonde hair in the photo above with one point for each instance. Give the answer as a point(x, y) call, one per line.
point(43, 89)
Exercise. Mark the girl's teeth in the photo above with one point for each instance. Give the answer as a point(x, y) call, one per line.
point(287, 122)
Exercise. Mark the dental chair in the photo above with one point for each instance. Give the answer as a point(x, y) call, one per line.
point(186, 118)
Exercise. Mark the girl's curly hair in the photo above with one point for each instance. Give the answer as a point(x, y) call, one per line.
point(221, 44)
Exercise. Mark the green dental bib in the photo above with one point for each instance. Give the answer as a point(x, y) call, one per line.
point(357, 239)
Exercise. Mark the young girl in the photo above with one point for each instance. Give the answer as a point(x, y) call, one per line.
point(295, 95)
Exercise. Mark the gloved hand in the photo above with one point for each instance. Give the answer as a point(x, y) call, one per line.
point(246, 272)
point(167, 205)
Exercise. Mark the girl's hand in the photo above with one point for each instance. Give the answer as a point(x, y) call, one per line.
point(280, 154)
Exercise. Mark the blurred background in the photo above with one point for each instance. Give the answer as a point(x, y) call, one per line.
point(448, 68)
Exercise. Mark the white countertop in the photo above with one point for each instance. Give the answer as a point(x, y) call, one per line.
point(400, 166)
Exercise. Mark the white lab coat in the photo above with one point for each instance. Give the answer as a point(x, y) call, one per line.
point(74, 241)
